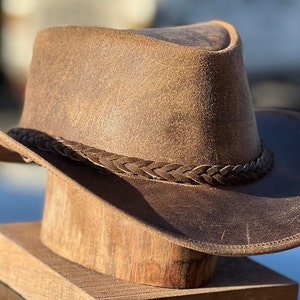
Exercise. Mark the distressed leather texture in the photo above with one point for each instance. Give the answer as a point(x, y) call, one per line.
point(137, 96)
point(178, 95)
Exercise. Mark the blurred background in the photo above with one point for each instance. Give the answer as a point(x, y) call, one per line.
point(271, 40)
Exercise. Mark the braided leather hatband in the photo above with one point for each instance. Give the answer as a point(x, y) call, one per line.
point(120, 164)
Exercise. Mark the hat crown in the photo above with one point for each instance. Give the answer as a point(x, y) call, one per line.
point(134, 95)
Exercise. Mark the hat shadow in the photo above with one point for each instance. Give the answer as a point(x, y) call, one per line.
point(271, 186)
point(110, 188)
point(282, 137)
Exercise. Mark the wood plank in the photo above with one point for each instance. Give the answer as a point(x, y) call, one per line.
point(35, 272)
point(8, 294)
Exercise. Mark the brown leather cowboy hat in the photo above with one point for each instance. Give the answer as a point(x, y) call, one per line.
point(159, 125)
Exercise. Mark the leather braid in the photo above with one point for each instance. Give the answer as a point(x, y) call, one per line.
point(191, 174)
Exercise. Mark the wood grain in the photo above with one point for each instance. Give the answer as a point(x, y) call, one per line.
point(35, 272)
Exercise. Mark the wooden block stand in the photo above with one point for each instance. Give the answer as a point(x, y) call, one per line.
point(35, 272)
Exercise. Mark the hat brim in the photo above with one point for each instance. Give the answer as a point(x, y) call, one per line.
point(261, 217)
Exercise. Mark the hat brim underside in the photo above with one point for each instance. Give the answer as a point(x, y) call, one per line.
point(261, 217)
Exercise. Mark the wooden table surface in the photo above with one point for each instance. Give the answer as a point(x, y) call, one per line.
point(35, 272)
